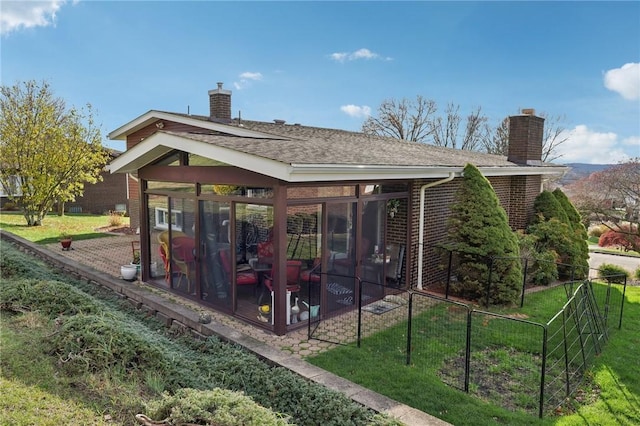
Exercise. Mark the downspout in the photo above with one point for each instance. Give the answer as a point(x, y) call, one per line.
point(423, 190)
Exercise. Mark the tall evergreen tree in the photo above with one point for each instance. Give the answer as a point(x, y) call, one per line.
point(580, 234)
point(555, 231)
point(487, 248)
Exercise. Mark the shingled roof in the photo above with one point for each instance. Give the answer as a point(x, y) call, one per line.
point(293, 148)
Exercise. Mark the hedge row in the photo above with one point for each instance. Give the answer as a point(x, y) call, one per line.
point(96, 333)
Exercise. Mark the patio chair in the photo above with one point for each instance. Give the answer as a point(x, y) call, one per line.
point(394, 267)
point(293, 277)
point(183, 249)
point(243, 278)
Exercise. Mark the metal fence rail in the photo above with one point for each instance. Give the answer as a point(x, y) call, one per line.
point(507, 359)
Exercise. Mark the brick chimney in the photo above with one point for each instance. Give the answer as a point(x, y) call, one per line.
point(220, 104)
point(525, 138)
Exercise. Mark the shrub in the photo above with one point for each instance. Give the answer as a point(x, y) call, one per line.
point(116, 218)
point(636, 274)
point(10, 206)
point(624, 236)
point(612, 273)
point(597, 230)
point(561, 232)
point(541, 264)
point(50, 298)
point(547, 207)
point(480, 234)
point(217, 406)
point(92, 343)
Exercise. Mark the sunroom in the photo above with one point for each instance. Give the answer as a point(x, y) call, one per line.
point(275, 252)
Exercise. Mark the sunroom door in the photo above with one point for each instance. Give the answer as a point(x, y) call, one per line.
point(214, 232)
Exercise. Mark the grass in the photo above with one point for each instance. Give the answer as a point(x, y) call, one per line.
point(611, 396)
point(32, 390)
point(79, 225)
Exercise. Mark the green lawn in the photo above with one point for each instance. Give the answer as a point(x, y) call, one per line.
point(610, 396)
point(80, 226)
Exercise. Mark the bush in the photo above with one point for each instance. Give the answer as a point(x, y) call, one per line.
point(636, 274)
point(213, 407)
point(116, 218)
point(50, 298)
point(95, 335)
point(541, 264)
point(557, 227)
point(480, 234)
point(597, 230)
point(624, 236)
point(612, 273)
point(93, 343)
point(10, 206)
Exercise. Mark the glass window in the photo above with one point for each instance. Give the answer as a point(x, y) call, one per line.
point(198, 160)
point(376, 188)
point(242, 191)
point(300, 192)
point(171, 186)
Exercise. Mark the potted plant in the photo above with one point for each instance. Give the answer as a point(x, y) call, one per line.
point(136, 260)
point(65, 241)
point(392, 207)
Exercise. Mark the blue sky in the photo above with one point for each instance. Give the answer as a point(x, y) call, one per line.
point(328, 64)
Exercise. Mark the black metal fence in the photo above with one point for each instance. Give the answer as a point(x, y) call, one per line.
point(504, 358)
point(445, 281)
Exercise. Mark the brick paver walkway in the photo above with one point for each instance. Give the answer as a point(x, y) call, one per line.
point(109, 253)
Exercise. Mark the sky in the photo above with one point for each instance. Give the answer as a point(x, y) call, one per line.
point(331, 64)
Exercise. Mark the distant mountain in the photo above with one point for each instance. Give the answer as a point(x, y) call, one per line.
point(580, 170)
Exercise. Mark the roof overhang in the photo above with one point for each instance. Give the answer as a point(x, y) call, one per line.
point(160, 144)
point(152, 116)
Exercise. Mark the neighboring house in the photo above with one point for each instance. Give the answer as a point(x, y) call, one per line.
point(225, 205)
point(105, 196)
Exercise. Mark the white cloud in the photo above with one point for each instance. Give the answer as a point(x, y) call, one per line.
point(358, 54)
point(586, 146)
point(17, 15)
point(624, 80)
point(246, 78)
point(356, 111)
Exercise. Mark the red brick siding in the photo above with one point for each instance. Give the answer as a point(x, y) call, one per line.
point(102, 197)
point(525, 138)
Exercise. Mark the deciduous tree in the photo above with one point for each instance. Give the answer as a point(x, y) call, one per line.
point(48, 151)
point(612, 197)
point(554, 135)
point(417, 121)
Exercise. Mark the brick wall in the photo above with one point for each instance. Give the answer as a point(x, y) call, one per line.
point(102, 197)
point(525, 139)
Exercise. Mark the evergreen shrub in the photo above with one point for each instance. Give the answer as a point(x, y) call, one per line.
point(479, 233)
point(612, 273)
point(541, 263)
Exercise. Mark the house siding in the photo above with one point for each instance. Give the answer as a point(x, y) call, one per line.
point(515, 194)
point(101, 197)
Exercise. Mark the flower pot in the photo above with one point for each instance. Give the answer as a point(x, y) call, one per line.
point(128, 272)
point(66, 243)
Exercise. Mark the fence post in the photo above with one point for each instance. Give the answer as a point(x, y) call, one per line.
point(624, 291)
point(446, 289)
point(524, 280)
point(545, 334)
point(489, 281)
point(359, 293)
point(566, 353)
point(467, 356)
point(410, 319)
